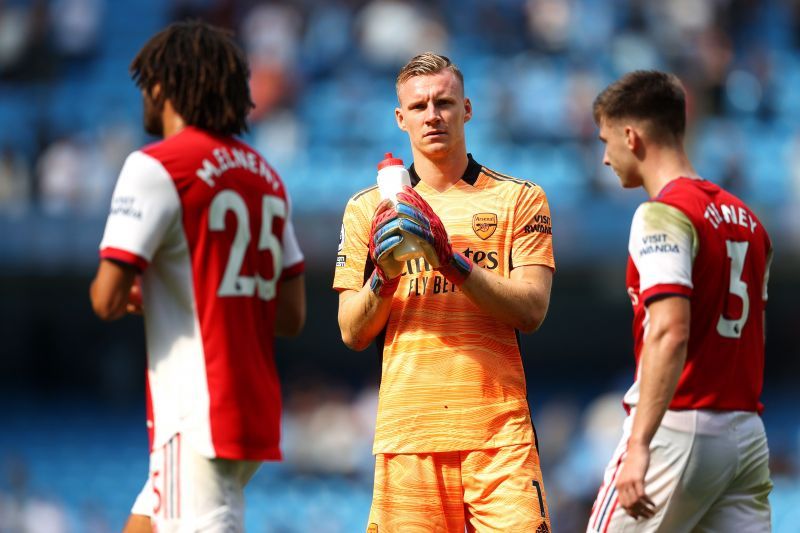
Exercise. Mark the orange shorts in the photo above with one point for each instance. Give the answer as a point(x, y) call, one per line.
point(498, 489)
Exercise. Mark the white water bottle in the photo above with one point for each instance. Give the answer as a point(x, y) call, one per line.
point(392, 176)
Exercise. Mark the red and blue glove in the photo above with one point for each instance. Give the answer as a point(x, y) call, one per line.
point(385, 236)
point(417, 217)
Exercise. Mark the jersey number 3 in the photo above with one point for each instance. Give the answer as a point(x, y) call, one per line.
point(233, 283)
point(732, 328)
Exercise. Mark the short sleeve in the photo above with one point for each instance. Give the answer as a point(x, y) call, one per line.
point(144, 206)
point(767, 267)
point(533, 229)
point(663, 244)
point(293, 259)
point(353, 249)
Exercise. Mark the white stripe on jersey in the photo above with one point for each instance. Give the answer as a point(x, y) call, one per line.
point(663, 245)
point(138, 222)
point(177, 363)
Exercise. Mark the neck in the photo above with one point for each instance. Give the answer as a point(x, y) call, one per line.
point(664, 165)
point(441, 174)
point(170, 119)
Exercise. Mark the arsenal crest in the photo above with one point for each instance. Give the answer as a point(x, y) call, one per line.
point(484, 224)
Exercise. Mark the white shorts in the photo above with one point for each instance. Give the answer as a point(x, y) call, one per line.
point(708, 472)
point(189, 492)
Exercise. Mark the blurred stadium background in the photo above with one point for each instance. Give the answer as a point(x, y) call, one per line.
point(72, 437)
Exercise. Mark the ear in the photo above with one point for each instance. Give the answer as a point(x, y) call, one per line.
point(467, 109)
point(632, 138)
point(398, 116)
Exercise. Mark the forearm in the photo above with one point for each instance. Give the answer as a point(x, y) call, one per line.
point(362, 316)
point(110, 289)
point(662, 361)
point(107, 305)
point(520, 303)
point(290, 316)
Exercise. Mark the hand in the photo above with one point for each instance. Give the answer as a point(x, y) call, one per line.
point(134, 305)
point(384, 237)
point(418, 218)
point(630, 482)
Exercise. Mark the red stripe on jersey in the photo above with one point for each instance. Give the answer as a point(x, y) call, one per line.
point(115, 254)
point(293, 271)
point(665, 290)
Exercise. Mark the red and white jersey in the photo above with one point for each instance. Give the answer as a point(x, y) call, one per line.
point(206, 220)
point(699, 241)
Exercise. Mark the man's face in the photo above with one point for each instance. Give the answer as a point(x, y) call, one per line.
point(619, 140)
point(152, 114)
point(433, 112)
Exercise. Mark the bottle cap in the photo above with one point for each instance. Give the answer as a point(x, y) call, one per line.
point(389, 160)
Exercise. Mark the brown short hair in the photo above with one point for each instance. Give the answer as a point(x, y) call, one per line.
point(202, 71)
point(425, 64)
point(649, 95)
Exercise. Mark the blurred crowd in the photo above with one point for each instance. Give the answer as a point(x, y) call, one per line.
point(322, 82)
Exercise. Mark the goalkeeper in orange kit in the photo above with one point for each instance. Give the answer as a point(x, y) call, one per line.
point(454, 443)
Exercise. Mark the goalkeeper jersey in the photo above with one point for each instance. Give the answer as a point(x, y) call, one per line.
point(452, 376)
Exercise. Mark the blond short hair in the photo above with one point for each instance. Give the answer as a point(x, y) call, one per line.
point(425, 64)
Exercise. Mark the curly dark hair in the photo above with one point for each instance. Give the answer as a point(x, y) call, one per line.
point(201, 71)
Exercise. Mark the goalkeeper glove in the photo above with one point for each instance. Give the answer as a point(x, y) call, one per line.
point(418, 218)
point(384, 237)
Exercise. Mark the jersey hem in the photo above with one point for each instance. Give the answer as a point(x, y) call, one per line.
point(339, 287)
point(551, 264)
point(236, 453)
point(123, 256)
point(293, 271)
point(665, 289)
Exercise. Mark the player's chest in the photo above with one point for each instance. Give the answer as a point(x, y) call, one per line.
point(480, 228)
point(474, 218)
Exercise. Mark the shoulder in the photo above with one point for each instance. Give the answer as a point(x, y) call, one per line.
point(361, 206)
point(522, 189)
point(506, 180)
point(143, 167)
point(159, 149)
point(663, 226)
point(188, 143)
point(655, 213)
point(689, 194)
point(365, 197)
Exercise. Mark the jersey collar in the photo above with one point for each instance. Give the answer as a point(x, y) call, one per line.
point(470, 174)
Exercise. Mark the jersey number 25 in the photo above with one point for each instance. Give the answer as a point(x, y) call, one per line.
point(233, 283)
